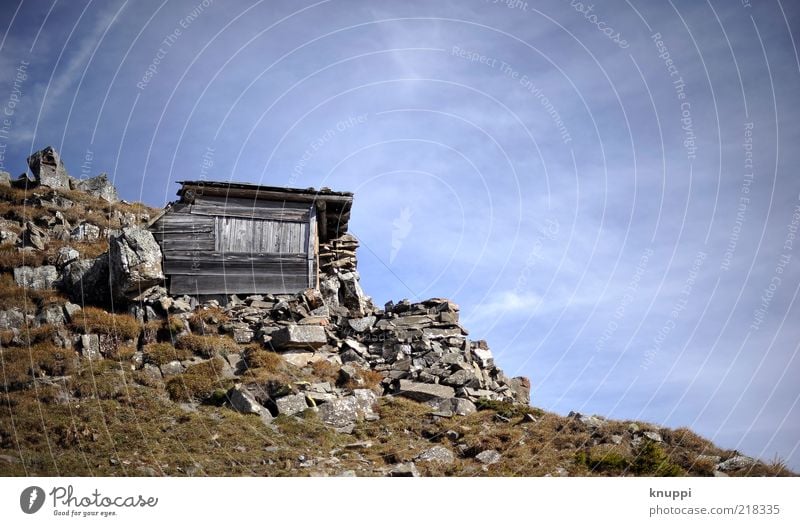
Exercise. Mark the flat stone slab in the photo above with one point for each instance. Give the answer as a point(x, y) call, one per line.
point(423, 392)
point(299, 337)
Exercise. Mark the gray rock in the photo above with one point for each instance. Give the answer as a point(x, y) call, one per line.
point(86, 280)
point(180, 306)
point(361, 324)
point(35, 237)
point(344, 412)
point(488, 457)
point(616, 439)
point(423, 392)
point(48, 170)
point(462, 378)
point(172, 368)
point(243, 401)
point(299, 337)
point(439, 454)
point(652, 435)
point(243, 335)
point(86, 232)
point(11, 319)
point(8, 237)
point(100, 187)
point(454, 406)
point(407, 469)
point(90, 346)
point(5, 179)
point(53, 314)
point(329, 288)
point(352, 297)
point(65, 256)
point(736, 463)
point(521, 389)
point(483, 356)
point(291, 404)
point(36, 278)
point(134, 261)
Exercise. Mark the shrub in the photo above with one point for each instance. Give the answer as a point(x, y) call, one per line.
point(207, 346)
point(198, 382)
point(161, 353)
point(92, 320)
point(650, 459)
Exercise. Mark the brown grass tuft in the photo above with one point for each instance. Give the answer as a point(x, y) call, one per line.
point(207, 346)
point(198, 382)
point(162, 353)
point(92, 320)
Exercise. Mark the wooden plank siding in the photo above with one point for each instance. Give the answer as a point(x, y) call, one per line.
point(227, 246)
point(250, 209)
point(240, 235)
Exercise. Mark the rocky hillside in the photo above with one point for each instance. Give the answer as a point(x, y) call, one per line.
point(104, 373)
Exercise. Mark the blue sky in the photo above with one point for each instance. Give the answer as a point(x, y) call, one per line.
point(607, 191)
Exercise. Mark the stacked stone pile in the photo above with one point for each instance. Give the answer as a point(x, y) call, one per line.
point(416, 350)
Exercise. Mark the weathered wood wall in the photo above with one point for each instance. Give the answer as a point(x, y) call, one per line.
point(237, 246)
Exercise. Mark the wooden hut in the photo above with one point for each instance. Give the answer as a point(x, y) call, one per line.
point(224, 238)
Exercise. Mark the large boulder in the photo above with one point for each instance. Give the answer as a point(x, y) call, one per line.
point(48, 170)
point(86, 280)
point(98, 186)
point(134, 261)
point(299, 337)
point(34, 237)
point(36, 278)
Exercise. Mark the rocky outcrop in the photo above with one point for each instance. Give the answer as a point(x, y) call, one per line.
point(48, 170)
point(134, 261)
point(98, 186)
point(36, 278)
point(87, 280)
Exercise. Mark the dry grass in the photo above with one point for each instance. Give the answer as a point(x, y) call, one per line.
point(162, 353)
point(257, 358)
point(207, 346)
point(27, 300)
point(198, 382)
point(92, 320)
point(20, 365)
point(202, 317)
point(325, 371)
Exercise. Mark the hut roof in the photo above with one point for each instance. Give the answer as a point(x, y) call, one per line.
point(333, 208)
